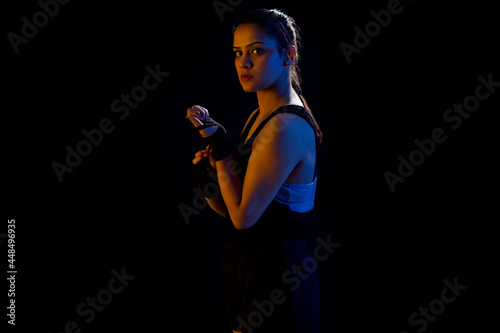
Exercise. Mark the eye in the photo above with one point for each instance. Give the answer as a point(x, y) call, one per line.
point(257, 51)
point(237, 53)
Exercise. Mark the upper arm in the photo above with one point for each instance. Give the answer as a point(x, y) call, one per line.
point(277, 150)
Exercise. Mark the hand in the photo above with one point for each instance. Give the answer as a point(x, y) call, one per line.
point(199, 156)
point(197, 115)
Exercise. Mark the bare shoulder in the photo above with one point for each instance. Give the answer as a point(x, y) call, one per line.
point(289, 129)
point(291, 124)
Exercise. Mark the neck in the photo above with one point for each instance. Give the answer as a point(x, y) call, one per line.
point(278, 95)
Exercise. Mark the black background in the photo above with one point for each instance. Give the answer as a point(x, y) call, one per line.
point(119, 207)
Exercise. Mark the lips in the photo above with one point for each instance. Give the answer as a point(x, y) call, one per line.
point(246, 77)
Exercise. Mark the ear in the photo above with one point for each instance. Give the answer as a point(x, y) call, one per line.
point(290, 56)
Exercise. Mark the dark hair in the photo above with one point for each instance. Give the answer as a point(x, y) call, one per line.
point(286, 32)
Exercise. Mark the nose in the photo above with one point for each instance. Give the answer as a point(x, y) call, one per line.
point(245, 62)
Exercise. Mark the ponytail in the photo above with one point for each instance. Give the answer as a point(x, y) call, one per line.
point(319, 134)
point(296, 83)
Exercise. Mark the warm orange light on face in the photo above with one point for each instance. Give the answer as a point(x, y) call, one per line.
point(257, 60)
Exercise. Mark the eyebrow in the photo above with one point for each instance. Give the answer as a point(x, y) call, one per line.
point(237, 47)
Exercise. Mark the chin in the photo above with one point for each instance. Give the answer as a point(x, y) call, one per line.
point(249, 87)
point(249, 90)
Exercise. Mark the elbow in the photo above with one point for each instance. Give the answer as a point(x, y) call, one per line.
point(241, 226)
point(244, 216)
point(243, 222)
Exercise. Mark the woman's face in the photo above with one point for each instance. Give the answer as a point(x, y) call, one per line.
point(257, 60)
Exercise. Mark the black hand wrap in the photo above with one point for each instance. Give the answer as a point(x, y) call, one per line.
point(205, 178)
point(220, 144)
point(219, 141)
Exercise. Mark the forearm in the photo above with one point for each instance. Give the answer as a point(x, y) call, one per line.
point(231, 189)
point(217, 205)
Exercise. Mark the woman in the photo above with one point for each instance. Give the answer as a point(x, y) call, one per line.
point(267, 185)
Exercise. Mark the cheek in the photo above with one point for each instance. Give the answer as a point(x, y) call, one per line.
point(270, 67)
